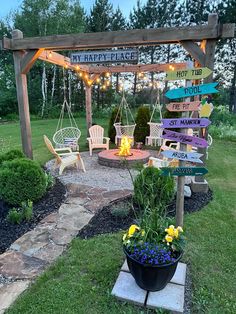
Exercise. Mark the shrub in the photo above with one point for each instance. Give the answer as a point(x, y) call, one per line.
point(50, 180)
point(120, 210)
point(151, 190)
point(142, 128)
point(17, 215)
point(11, 155)
point(20, 180)
point(111, 129)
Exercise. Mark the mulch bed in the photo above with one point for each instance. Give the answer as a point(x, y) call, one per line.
point(105, 222)
point(49, 203)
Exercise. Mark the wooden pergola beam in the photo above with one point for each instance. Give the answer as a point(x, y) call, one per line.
point(135, 37)
point(194, 50)
point(136, 68)
point(58, 59)
point(29, 59)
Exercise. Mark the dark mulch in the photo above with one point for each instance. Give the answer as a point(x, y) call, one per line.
point(105, 222)
point(48, 204)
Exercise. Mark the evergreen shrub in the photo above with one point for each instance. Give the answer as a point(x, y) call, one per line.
point(142, 128)
point(21, 180)
point(11, 155)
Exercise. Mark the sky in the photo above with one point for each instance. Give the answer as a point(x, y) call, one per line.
point(125, 5)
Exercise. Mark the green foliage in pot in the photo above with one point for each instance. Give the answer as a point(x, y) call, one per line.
point(142, 128)
point(11, 155)
point(20, 180)
point(151, 190)
point(111, 129)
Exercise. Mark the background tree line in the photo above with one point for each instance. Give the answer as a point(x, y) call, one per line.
point(46, 81)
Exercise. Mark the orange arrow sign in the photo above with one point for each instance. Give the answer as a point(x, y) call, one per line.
point(184, 106)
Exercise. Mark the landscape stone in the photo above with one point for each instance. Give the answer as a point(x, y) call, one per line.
point(73, 217)
point(20, 266)
point(10, 292)
point(187, 191)
point(31, 241)
point(50, 252)
point(180, 274)
point(170, 298)
point(62, 236)
point(126, 289)
point(52, 218)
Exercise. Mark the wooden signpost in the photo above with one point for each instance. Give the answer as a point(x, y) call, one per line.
point(185, 123)
point(114, 56)
point(183, 155)
point(184, 106)
point(185, 139)
point(190, 74)
point(202, 89)
point(184, 171)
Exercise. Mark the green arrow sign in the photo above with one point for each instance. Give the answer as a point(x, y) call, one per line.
point(191, 74)
point(183, 171)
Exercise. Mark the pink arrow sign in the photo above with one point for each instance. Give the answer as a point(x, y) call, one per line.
point(186, 139)
point(185, 123)
point(183, 106)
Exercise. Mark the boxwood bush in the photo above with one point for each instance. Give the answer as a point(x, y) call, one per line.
point(21, 180)
point(11, 155)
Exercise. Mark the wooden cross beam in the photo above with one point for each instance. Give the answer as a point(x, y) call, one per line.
point(134, 37)
point(29, 59)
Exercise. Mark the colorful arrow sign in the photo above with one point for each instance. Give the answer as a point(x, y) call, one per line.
point(183, 171)
point(192, 91)
point(183, 138)
point(185, 123)
point(191, 74)
point(184, 106)
point(181, 155)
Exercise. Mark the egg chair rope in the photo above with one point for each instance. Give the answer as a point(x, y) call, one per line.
point(66, 136)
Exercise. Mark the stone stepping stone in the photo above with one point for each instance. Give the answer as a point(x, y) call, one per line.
point(10, 292)
point(170, 298)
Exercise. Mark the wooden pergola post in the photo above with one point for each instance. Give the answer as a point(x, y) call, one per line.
point(22, 97)
point(88, 103)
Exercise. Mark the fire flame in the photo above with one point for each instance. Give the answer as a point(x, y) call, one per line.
point(124, 149)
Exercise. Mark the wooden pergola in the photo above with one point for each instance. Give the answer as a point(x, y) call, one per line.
point(199, 41)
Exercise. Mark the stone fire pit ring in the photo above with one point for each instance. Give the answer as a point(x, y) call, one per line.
point(110, 158)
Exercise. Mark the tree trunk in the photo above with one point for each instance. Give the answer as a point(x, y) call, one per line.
point(135, 84)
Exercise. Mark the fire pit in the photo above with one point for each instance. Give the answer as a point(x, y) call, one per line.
point(110, 158)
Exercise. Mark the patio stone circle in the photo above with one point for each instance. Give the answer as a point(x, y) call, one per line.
point(170, 298)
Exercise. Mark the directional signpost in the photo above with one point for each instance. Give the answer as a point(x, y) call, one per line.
point(182, 155)
point(191, 74)
point(192, 91)
point(183, 106)
point(185, 123)
point(184, 171)
point(183, 138)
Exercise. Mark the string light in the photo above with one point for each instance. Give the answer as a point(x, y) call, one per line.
point(80, 74)
point(50, 54)
point(66, 66)
point(77, 67)
point(171, 67)
point(89, 82)
point(150, 84)
point(107, 74)
point(86, 76)
point(98, 80)
point(107, 83)
point(104, 87)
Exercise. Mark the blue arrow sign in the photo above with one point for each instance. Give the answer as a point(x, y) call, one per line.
point(182, 155)
point(183, 171)
point(192, 91)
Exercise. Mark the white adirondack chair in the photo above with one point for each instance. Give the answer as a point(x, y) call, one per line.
point(97, 139)
point(155, 134)
point(64, 160)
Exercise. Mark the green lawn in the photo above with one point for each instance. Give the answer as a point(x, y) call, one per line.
point(11, 135)
point(82, 279)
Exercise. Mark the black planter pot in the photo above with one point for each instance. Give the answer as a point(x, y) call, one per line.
point(151, 277)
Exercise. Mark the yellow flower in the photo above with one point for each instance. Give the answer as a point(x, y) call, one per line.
point(176, 233)
point(168, 238)
point(180, 229)
point(132, 230)
point(170, 231)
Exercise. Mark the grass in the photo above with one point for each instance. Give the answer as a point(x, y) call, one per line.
point(82, 279)
point(10, 133)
